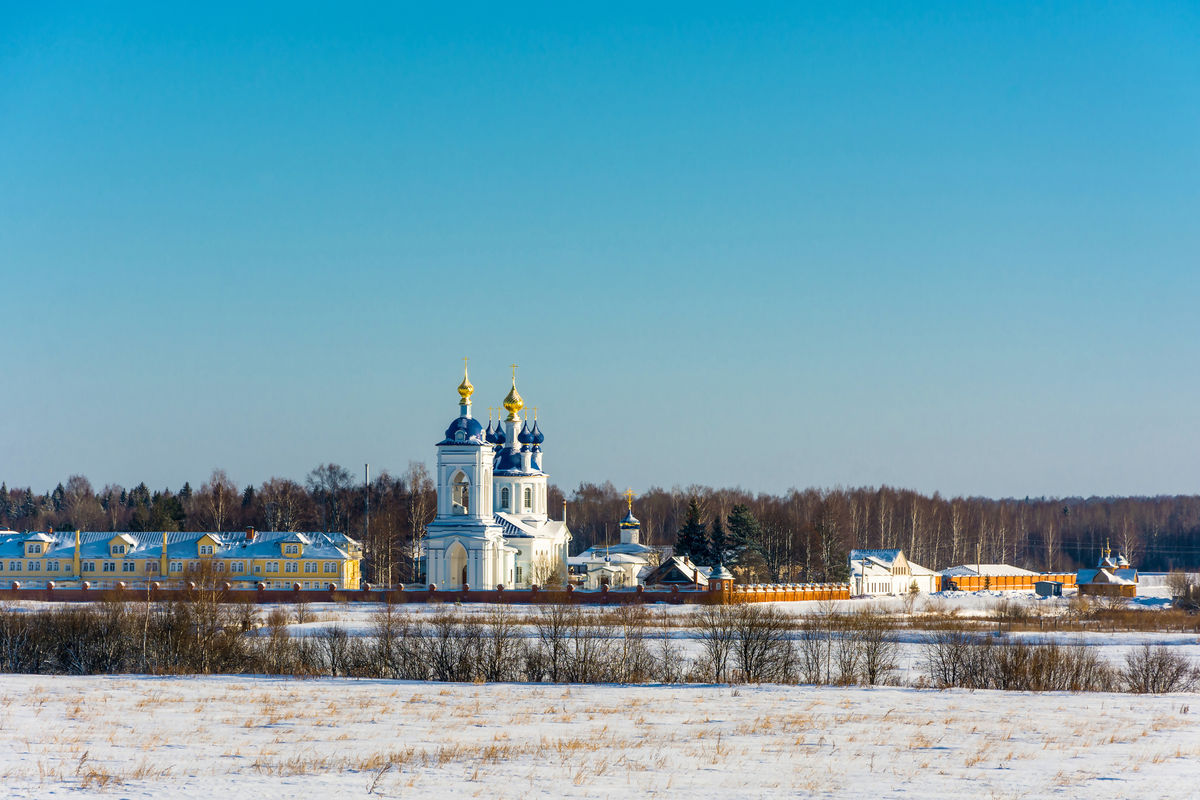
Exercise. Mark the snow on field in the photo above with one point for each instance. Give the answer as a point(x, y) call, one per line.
point(142, 737)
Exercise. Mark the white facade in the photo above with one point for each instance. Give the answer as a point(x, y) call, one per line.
point(492, 526)
point(883, 572)
point(618, 565)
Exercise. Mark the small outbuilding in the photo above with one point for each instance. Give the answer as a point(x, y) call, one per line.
point(1111, 577)
point(1048, 588)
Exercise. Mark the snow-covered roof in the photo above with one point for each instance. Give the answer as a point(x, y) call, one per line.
point(597, 556)
point(885, 557)
point(1119, 577)
point(988, 570)
point(517, 528)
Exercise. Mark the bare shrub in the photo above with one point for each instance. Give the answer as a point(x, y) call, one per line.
point(813, 650)
point(634, 663)
point(1185, 592)
point(1158, 670)
point(717, 632)
point(878, 649)
point(669, 665)
point(553, 625)
point(397, 646)
point(500, 646)
point(955, 658)
point(762, 648)
point(947, 658)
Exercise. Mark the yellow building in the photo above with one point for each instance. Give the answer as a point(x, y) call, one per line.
point(278, 560)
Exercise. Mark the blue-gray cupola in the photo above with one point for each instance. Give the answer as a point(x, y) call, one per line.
point(464, 429)
point(630, 526)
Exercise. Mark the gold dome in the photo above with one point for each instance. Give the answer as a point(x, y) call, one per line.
point(465, 389)
point(512, 401)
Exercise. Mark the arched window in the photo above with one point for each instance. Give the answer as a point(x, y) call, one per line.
point(504, 498)
point(461, 494)
point(528, 498)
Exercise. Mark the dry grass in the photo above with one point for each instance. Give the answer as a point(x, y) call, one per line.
point(406, 738)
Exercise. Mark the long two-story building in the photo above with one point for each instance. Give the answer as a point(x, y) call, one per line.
point(278, 560)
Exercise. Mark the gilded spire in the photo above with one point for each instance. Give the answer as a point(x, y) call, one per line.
point(629, 499)
point(512, 401)
point(465, 389)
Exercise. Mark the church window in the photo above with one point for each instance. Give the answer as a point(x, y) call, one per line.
point(504, 498)
point(528, 498)
point(461, 494)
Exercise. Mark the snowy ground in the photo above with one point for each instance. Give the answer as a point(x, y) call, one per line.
point(139, 737)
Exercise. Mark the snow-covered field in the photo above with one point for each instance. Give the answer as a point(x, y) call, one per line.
point(134, 737)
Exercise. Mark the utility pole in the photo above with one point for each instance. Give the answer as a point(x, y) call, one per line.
point(978, 569)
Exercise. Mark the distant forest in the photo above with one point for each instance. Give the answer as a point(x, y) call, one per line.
point(797, 536)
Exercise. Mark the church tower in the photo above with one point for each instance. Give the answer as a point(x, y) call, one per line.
point(521, 485)
point(463, 543)
point(631, 527)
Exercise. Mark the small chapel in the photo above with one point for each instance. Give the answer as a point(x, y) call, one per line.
point(492, 526)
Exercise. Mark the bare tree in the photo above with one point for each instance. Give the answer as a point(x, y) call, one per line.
point(218, 497)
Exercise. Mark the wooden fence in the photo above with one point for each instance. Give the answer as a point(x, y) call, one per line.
point(604, 596)
point(1003, 583)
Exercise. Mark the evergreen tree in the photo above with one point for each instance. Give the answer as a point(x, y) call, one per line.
point(692, 539)
point(719, 544)
point(744, 530)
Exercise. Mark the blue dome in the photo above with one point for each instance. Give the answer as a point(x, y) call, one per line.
point(464, 430)
point(536, 434)
point(509, 460)
point(490, 435)
point(630, 521)
point(498, 434)
point(526, 435)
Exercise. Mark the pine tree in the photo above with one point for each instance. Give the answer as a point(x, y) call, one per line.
point(692, 539)
point(719, 544)
point(744, 530)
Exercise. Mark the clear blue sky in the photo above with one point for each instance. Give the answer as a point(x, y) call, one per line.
point(950, 247)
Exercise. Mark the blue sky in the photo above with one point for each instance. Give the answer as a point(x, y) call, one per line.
point(941, 246)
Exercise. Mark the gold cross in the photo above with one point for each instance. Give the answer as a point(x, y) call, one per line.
point(514, 367)
point(629, 499)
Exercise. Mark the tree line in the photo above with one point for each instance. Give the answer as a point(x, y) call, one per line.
point(806, 535)
point(802, 535)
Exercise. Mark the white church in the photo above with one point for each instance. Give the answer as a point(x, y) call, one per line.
point(492, 527)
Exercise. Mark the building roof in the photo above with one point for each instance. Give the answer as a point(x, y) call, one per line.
point(676, 570)
point(514, 527)
point(464, 431)
point(1120, 577)
point(986, 570)
point(882, 556)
